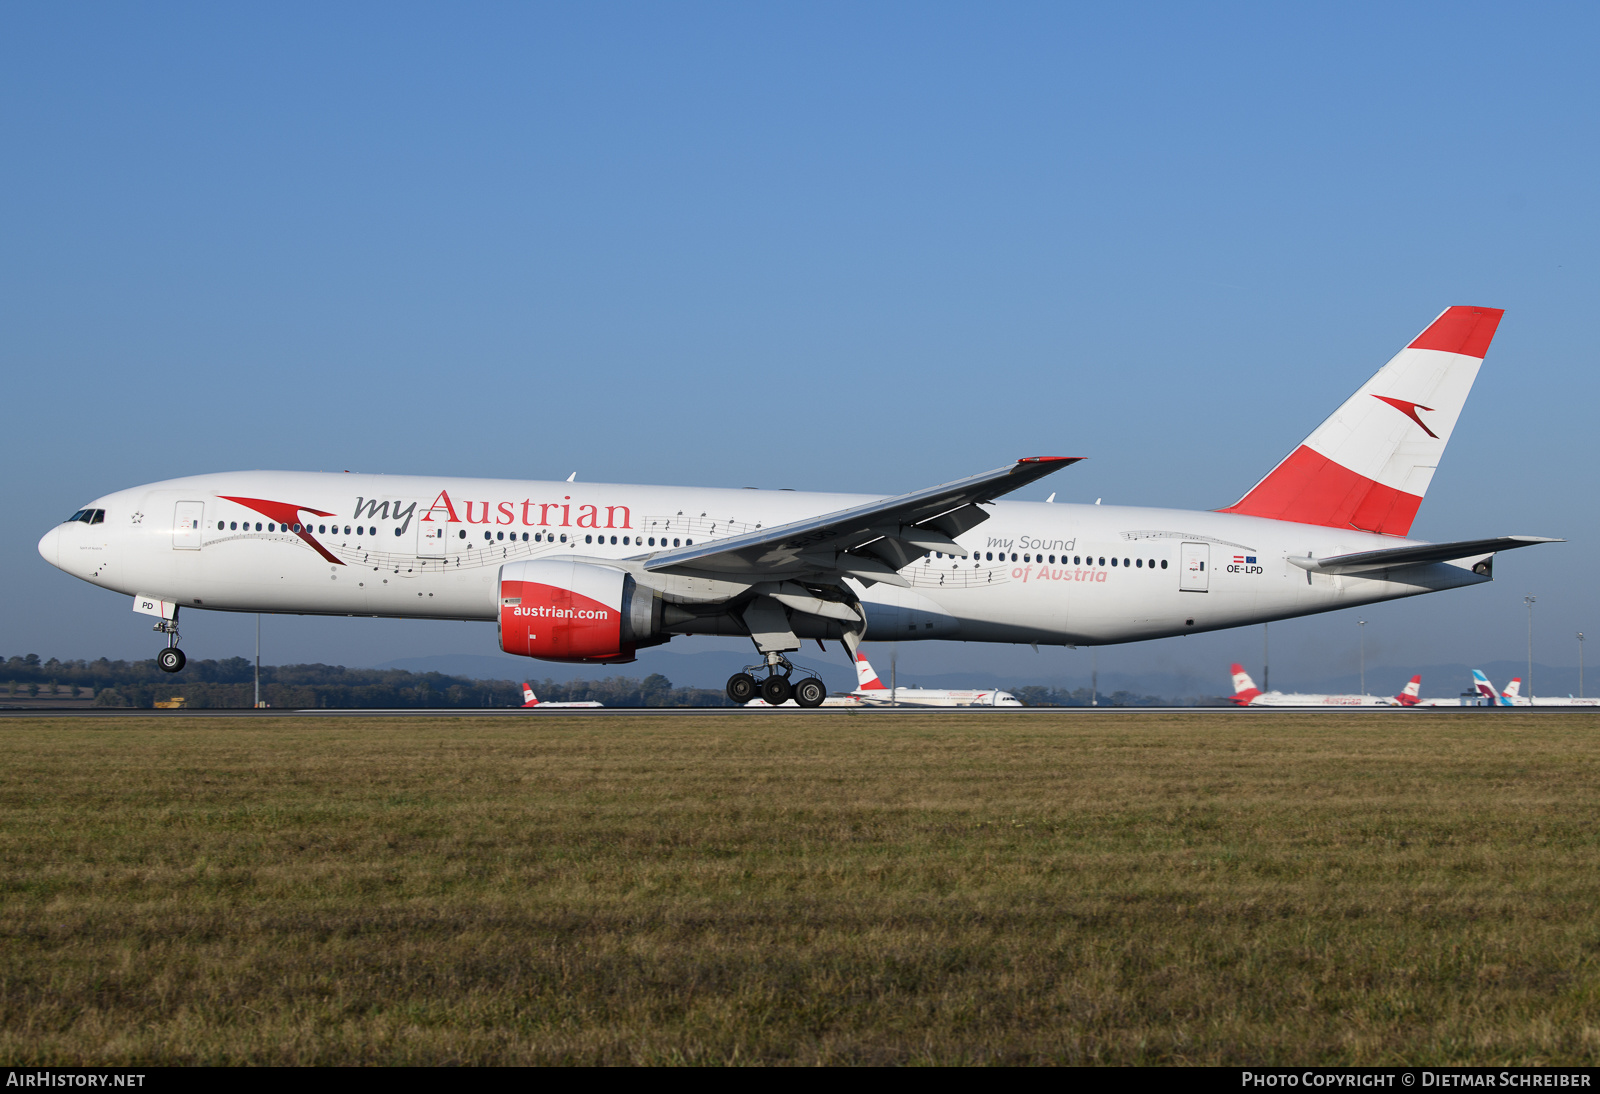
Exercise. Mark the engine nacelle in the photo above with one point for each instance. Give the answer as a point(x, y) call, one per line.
point(575, 611)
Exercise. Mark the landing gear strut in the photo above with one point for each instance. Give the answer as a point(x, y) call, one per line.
point(170, 659)
point(775, 688)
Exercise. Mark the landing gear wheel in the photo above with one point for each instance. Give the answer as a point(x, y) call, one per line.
point(810, 692)
point(776, 691)
point(171, 659)
point(741, 688)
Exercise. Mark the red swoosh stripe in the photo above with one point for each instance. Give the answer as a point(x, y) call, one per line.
point(287, 515)
point(1410, 411)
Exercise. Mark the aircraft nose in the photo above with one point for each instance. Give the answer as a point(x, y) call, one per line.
point(50, 546)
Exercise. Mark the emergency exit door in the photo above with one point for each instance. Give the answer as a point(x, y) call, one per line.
point(1194, 568)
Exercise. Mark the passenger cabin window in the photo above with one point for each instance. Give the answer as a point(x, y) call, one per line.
point(1163, 564)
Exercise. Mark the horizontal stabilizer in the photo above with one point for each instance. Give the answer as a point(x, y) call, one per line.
point(1415, 555)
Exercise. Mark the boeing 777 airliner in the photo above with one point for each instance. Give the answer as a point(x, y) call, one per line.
point(587, 572)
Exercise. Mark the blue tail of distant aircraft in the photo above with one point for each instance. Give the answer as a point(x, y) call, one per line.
point(1485, 690)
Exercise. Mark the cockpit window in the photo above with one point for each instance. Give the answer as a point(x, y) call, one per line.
point(88, 516)
point(79, 515)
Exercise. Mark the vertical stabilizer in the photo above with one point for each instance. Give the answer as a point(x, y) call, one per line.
point(1244, 688)
point(866, 679)
point(1408, 696)
point(528, 697)
point(1485, 690)
point(1513, 690)
point(1370, 463)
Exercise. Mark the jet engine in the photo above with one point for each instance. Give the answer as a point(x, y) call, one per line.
point(575, 611)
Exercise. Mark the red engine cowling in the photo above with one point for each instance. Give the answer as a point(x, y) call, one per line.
point(575, 611)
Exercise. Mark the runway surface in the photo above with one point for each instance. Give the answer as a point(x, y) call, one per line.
point(736, 712)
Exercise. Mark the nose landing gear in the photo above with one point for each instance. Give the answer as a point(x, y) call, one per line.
point(170, 659)
point(775, 689)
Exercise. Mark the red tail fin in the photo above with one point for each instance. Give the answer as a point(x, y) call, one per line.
point(1370, 463)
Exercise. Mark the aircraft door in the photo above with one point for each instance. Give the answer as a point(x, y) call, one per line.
point(430, 535)
point(186, 525)
point(1194, 568)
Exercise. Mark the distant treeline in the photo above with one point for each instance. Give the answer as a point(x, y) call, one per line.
point(229, 683)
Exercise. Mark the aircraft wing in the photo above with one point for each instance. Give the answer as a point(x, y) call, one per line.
point(1415, 555)
point(869, 542)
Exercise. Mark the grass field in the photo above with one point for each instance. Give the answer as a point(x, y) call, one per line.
point(1228, 888)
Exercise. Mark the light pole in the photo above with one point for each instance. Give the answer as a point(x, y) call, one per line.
point(1094, 676)
point(1266, 674)
point(1580, 664)
point(1528, 600)
point(258, 660)
point(1362, 624)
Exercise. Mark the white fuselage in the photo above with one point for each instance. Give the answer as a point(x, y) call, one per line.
point(1281, 699)
point(429, 547)
point(936, 697)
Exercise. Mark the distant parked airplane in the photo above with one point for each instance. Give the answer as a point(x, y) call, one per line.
point(533, 701)
point(872, 690)
point(1513, 697)
point(1246, 694)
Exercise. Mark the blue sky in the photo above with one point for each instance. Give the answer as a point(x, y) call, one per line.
point(842, 247)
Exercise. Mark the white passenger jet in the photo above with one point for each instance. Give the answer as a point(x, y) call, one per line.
point(1513, 697)
point(533, 701)
point(873, 691)
point(583, 572)
point(1246, 694)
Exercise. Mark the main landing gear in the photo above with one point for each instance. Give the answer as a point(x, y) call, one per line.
point(776, 688)
point(170, 659)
